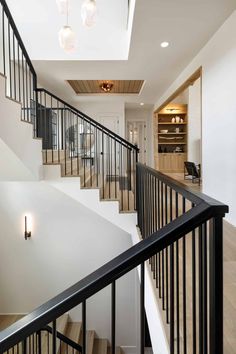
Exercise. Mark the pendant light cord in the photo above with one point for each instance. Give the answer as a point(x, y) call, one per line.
point(67, 13)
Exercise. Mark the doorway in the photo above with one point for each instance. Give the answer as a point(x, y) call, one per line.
point(136, 134)
point(178, 132)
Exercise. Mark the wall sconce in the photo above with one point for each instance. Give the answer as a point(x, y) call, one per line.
point(28, 228)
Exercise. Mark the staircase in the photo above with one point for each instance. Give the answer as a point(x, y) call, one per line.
point(71, 330)
point(84, 148)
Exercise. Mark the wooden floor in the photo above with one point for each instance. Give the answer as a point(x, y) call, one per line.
point(187, 182)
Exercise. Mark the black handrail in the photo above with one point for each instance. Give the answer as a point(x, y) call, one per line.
point(64, 339)
point(110, 272)
point(18, 36)
point(90, 120)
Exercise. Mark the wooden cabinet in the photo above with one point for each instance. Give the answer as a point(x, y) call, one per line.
point(168, 162)
point(170, 138)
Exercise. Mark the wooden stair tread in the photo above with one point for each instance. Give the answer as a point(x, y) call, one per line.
point(73, 331)
point(100, 346)
point(90, 335)
point(62, 323)
point(90, 341)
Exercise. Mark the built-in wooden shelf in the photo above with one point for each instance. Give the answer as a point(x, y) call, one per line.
point(181, 133)
point(168, 158)
point(170, 123)
point(176, 143)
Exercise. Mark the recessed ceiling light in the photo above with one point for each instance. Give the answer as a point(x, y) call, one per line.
point(165, 44)
point(141, 104)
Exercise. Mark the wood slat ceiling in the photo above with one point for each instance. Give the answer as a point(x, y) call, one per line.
point(93, 86)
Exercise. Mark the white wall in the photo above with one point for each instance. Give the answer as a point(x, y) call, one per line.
point(98, 110)
point(68, 242)
point(218, 60)
point(132, 114)
point(194, 122)
point(18, 136)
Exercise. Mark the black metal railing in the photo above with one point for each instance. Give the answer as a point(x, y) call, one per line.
point(203, 312)
point(15, 64)
point(187, 273)
point(87, 149)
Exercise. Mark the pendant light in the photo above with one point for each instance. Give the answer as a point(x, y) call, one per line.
point(89, 12)
point(67, 39)
point(62, 6)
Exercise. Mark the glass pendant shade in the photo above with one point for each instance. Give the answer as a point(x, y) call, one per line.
point(62, 6)
point(67, 39)
point(89, 12)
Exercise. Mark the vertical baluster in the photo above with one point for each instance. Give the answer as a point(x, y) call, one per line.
point(45, 127)
point(30, 95)
point(143, 219)
point(204, 285)
point(84, 326)
point(90, 154)
point(142, 309)
point(115, 169)
point(200, 288)
point(113, 317)
point(3, 42)
point(155, 219)
point(172, 301)
point(27, 93)
point(39, 342)
point(112, 176)
point(54, 337)
point(52, 127)
point(76, 123)
point(65, 117)
point(19, 81)
point(102, 153)
point(122, 177)
point(71, 139)
point(58, 132)
point(96, 158)
point(9, 53)
point(194, 290)
point(14, 63)
point(109, 165)
point(177, 279)
point(24, 346)
point(162, 252)
point(48, 343)
point(216, 285)
point(159, 226)
point(23, 84)
point(167, 257)
point(184, 286)
point(128, 176)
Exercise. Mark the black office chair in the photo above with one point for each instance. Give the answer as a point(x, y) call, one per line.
point(193, 171)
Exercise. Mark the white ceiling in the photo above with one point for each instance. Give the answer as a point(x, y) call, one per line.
point(186, 24)
point(44, 21)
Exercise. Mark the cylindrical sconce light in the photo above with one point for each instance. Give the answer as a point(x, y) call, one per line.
point(28, 227)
